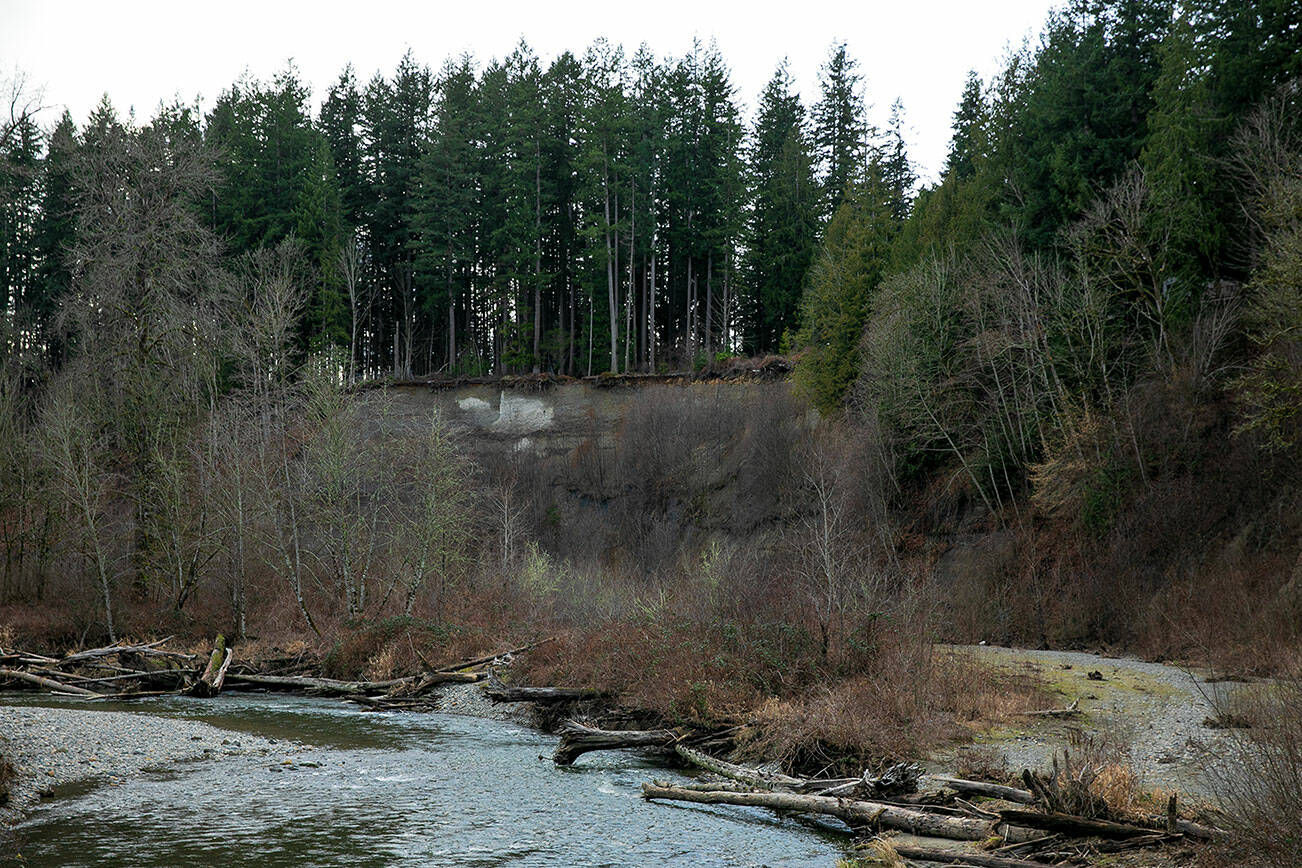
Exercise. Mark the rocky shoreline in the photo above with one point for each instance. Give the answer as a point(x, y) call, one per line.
point(52, 747)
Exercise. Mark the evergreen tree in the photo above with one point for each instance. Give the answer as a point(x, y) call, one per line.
point(1178, 160)
point(340, 124)
point(840, 127)
point(319, 227)
point(969, 140)
point(265, 137)
point(445, 216)
point(55, 232)
point(20, 195)
point(784, 216)
point(395, 119)
point(897, 171)
point(603, 134)
point(564, 97)
point(855, 256)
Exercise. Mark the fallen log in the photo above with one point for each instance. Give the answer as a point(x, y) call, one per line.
point(175, 676)
point(147, 650)
point(1072, 825)
point(981, 788)
point(327, 686)
point(489, 658)
point(499, 692)
point(47, 683)
point(1070, 711)
point(1157, 839)
point(751, 777)
point(949, 857)
point(434, 679)
point(876, 815)
point(578, 739)
point(900, 779)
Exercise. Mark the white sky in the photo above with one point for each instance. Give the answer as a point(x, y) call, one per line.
point(142, 52)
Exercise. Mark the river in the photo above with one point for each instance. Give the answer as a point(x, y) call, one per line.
point(368, 789)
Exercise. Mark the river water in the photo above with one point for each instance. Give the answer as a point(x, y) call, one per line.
point(398, 789)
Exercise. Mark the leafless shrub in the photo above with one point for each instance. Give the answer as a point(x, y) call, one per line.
point(1259, 776)
point(1092, 777)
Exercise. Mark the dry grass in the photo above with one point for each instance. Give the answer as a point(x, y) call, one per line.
point(907, 706)
point(1092, 777)
point(877, 853)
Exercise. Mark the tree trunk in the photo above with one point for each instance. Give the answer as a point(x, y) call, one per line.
point(499, 692)
point(47, 683)
point(577, 739)
point(949, 857)
point(610, 272)
point(877, 815)
point(750, 777)
point(214, 674)
point(537, 256)
point(1072, 825)
point(651, 317)
point(709, 308)
point(981, 788)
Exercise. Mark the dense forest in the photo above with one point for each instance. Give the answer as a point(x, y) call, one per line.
point(1060, 389)
point(1096, 307)
point(600, 213)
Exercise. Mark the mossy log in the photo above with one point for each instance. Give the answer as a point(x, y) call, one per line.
point(214, 674)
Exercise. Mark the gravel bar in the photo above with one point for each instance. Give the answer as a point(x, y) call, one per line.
point(50, 747)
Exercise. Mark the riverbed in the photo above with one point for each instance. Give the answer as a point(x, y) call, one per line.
point(310, 781)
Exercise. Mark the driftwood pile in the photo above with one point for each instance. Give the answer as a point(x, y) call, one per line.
point(1014, 827)
point(125, 671)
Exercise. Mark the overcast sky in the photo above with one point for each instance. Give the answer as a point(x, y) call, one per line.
point(141, 52)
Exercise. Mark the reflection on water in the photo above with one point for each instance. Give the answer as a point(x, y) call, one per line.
point(410, 789)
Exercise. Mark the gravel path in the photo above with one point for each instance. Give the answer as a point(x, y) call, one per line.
point(1153, 711)
point(50, 747)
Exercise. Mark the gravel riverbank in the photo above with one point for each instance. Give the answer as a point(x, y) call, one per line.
point(1155, 713)
point(51, 747)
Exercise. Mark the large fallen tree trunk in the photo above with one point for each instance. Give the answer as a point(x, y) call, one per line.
point(315, 685)
point(876, 815)
point(148, 650)
point(499, 692)
point(981, 788)
point(47, 683)
point(750, 777)
point(334, 687)
point(577, 739)
point(1073, 825)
